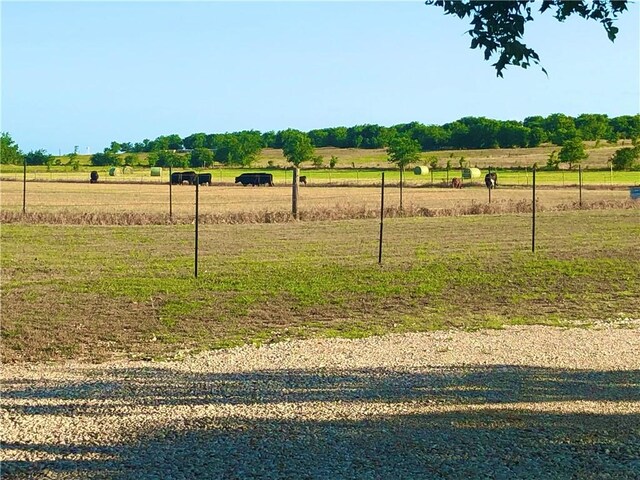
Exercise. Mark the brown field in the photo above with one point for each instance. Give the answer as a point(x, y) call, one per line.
point(492, 157)
point(46, 197)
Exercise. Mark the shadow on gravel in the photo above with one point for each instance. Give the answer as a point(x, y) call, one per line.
point(490, 443)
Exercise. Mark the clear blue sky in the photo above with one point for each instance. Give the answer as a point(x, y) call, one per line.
point(87, 73)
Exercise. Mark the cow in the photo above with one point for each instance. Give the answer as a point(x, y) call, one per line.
point(94, 177)
point(303, 179)
point(491, 180)
point(456, 183)
point(204, 179)
point(255, 179)
point(178, 178)
point(189, 177)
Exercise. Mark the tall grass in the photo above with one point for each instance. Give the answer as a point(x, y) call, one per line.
point(343, 212)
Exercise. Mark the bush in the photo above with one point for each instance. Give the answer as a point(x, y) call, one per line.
point(105, 159)
point(38, 157)
point(626, 159)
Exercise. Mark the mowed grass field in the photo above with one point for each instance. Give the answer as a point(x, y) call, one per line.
point(95, 292)
point(220, 202)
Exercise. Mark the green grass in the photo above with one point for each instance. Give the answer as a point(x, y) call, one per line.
point(97, 291)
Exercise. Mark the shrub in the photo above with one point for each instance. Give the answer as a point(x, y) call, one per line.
point(626, 159)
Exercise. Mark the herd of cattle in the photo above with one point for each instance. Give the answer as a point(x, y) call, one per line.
point(257, 179)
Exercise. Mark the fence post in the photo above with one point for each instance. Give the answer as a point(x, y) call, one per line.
point(294, 194)
point(401, 184)
point(24, 185)
point(170, 196)
point(580, 182)
point(195, 272)
point(490, 187)
point(381, 220)
point(533, 211)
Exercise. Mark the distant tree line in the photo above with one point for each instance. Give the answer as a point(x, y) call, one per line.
point(201, 150)
point(465, 133)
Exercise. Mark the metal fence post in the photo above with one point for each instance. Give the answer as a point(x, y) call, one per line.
point(196, 222)
point(533, 210)
point(580, 182)
point(381, 220)
point(294, 194)
point(24, 185)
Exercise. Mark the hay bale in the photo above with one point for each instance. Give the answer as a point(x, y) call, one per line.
point(156, 171)
point(114, 171)
point(421, 170)
point(469, 173)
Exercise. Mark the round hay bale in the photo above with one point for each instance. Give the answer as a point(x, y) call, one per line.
point(156, 171)
point(421, 170)
point(114, 171)
point(469, 173)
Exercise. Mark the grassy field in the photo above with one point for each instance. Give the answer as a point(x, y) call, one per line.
point(337, 176)
point(153, 199)
point(95, 292)
point(362, 166)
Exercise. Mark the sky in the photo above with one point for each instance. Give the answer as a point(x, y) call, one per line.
point(87, 73)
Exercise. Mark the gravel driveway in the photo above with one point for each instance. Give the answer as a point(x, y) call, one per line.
point(523, 402)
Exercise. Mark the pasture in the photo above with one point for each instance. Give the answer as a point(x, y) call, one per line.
point(97, 292)
point(335, 202)
point(336, 177)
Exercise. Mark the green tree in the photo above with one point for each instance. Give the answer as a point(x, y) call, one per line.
point(626, 159)
point(38, 157)
point(201, 157)
point(115, 147)
point(74, 163)
point(317, 161)
point(333, 161)
point(9, 151)
point(402, 151)
point(553, 161)
point(106, 158)
point(498, 27)
point(240, 148)
point(560, 127)
point(196, 140)
point(572, 152)
point(297, 147)
point(168, 158)
point(593, 126)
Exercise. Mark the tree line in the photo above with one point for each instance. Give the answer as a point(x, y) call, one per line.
point(465, 133)
point(243, 148)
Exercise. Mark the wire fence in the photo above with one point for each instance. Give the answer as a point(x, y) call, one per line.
point(179, 200)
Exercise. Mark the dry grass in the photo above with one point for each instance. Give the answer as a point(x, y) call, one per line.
point(141, 204)
point(338, 212)
point(493, 157)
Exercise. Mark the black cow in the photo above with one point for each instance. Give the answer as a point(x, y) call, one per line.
point(204, 179)
point(491, 180)
point(303, 179)
point(94, 177)
point(255, 179)
point(178, 178)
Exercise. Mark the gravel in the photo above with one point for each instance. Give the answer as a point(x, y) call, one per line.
point(522, 402)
